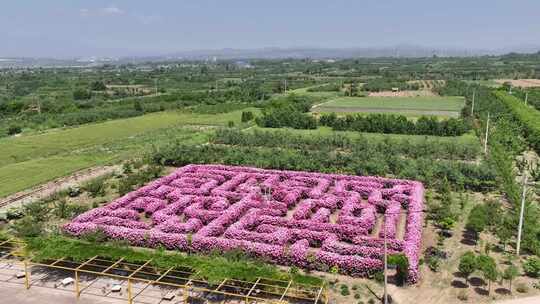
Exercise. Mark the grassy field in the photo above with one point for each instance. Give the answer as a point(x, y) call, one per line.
point(29, 160)
point(409, 106)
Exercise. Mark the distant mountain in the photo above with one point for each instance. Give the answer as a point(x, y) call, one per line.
point(402, 51)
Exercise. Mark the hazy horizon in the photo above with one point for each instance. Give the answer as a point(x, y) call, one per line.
point(68, 29)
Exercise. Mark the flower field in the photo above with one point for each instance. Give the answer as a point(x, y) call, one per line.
point(310, 220)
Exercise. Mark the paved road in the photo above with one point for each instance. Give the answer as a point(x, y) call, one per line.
point(15, 293)
point(529, 300)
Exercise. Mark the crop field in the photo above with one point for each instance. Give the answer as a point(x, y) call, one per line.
point(466, 139)
point(293, 218)
point(29, 160)
point(409, 106)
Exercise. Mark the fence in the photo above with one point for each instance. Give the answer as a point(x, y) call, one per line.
point(145, 282)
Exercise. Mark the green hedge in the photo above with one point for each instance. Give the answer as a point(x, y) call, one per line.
point(214, 267)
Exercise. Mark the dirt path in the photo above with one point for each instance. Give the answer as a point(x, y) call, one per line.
point(45, 190)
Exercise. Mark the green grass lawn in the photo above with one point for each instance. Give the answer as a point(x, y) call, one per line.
point(29, 160)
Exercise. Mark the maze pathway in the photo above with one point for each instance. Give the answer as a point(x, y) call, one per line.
point(311, 220)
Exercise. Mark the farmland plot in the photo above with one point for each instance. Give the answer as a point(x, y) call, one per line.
point(409, 106)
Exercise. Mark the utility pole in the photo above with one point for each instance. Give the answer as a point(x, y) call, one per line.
point(487, 132)
point(473, 97)
point(385, 262)
point(285, 89)
point(520, 227)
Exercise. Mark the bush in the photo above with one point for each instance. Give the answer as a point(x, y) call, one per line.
point(95, 187)
point(247, 116)
point(95, 236)
point(27, 227)
point(402, 267)
point(14, 129)
point(531, 267)
point(434, 263)
point(378, 276)
point(14, 214)
point(74, 191)
point(345, 290)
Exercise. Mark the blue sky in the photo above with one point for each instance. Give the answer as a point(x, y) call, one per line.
point(62, 28)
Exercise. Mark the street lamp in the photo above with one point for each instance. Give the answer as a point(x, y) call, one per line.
point(522, 211)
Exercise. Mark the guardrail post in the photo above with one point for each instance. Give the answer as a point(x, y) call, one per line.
point(77, 289)
point(26, 275)
point(130, 299)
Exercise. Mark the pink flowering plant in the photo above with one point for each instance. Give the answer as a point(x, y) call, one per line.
point(311, 220)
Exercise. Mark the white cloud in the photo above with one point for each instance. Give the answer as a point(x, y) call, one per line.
point(112, 10)
point(148, 19)
point(84, 12)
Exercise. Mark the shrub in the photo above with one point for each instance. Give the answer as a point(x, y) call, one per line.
point(27, 227)
point(95, 236)
point(95, 187)
point(247, 116)
point(14, 214)
point(345, 290)
point(74, 191)
point(378, 276)
point(402, 267)
point(531, 267)
point(38, 210)
point(434, 263)
point(14, 129)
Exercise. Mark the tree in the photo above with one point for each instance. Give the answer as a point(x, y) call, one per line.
point(509, 274)
point(98, 86)
point(80, 94)
point(402, 267)
point(487, 265)
point(138, 106)
point(477, 220)
point(467, 264)
point(504, 231)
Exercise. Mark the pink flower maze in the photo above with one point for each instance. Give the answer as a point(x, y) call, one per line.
point(310, 220)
